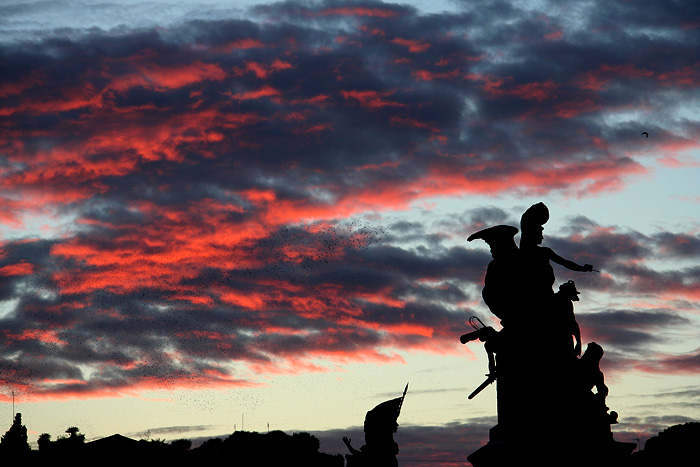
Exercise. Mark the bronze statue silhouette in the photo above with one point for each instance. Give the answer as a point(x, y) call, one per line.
point(544, 385)
point(380, 449)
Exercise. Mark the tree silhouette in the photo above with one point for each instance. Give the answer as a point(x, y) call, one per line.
point(44, 442)
point(71, 443)
point(211, 448)
point(676, 446)
point(14, 441)
point(181, 444)
point(273, 448)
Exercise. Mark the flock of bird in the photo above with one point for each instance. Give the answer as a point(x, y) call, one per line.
point(294, 249)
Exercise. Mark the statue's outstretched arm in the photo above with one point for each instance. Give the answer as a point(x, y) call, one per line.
point(566, 263)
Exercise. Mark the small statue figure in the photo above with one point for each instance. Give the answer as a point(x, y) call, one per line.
point(380, 449)
point(564, 318)
point(593, 418)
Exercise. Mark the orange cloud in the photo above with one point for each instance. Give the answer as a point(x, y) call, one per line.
point(19, 269)
point(372, 99)
point(46, 336)
point(164, 78)
point(265, 91)
point(60, 390)
point(554, 36)
point(497, 87)
point(412, 45)
point(599, 78)
point(426, 75)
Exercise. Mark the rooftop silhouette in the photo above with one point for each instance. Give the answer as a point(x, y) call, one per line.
point(674, 446)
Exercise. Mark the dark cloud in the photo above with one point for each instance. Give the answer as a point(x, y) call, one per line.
point(175, 430)
point(687, 363)
point(487, 216)
point(689, 392)
point(678, 245)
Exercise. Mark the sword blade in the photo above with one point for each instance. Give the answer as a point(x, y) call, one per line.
point(481, 387)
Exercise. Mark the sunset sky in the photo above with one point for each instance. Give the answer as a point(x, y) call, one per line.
point(219, 215)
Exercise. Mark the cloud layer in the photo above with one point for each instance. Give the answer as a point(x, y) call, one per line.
point(223, 186)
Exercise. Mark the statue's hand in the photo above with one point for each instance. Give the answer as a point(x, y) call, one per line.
point(587, 267)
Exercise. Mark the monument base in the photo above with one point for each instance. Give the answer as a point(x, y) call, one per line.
point(544, 454)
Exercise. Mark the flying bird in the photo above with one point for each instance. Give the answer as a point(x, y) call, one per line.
point(645, 134)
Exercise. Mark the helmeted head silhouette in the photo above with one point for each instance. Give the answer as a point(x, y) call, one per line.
point(536, 216)
point(384, 416)
point(531, 223)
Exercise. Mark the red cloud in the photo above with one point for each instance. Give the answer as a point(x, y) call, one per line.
point(46, 336)
point(18, 87)
point(598, 79)
point(19, 269)
point(265, 91)
point(242, 44)
point(677, 364)
point(396, 120)
point(678, 162)
point(63, 389)
point(71, 99)
point(499, 86)
point(372, 99)
point(263, 71)
point(686, 76)
point(10, 211)
point(163, 78)
point(427, 75)
point(412, 45)
point(61, 170)
point(554, 36)
point(445, 180)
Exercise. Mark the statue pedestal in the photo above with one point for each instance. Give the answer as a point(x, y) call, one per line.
point(550, 454)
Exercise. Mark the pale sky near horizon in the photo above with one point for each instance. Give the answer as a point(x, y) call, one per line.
point(216, 216)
